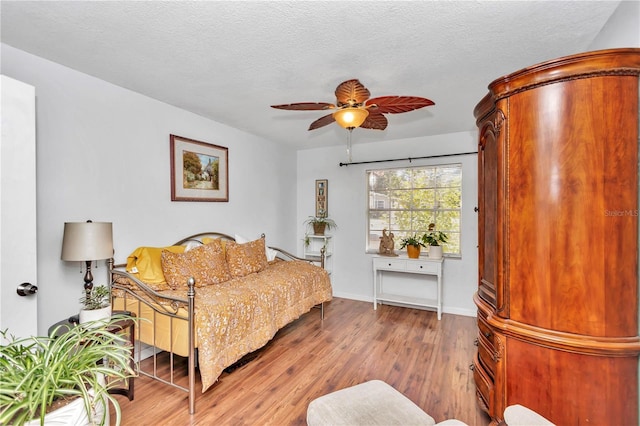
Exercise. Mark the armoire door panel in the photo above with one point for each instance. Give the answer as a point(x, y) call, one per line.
point(488, 214)
point(569, 193)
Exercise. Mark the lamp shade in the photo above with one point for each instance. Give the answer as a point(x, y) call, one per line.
point(350, 117)
point(83, 241)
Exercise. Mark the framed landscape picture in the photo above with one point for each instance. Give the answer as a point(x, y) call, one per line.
point(199, 170)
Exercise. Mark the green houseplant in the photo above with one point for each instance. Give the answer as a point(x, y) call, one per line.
point(96, 298)
point(39, 374)
point(433, 238)
point(412, 243)
point(320, 224)
point(96, 304)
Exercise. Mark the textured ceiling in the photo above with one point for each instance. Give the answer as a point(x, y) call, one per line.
point(229, 61)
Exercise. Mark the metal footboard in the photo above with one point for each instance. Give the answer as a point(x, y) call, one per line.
point(172, 308)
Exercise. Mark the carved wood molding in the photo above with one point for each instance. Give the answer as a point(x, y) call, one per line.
point(610, 62)
point(498, 121)
point(568, 342)
point(599, 73)
point(499, 346)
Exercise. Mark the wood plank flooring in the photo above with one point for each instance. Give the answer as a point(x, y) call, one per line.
point(425, 359)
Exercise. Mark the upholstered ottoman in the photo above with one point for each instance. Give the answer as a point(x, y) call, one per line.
point(369, 403)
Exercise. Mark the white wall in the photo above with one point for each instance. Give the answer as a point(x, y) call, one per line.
point(103, 154)
point(622, 29)
point(352, 275)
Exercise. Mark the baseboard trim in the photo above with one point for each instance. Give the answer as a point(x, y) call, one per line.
point(445, 309)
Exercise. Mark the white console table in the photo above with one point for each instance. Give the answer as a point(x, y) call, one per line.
point(403, 264)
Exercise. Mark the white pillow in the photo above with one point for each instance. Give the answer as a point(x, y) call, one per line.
point(270, 253)
point(191, 244)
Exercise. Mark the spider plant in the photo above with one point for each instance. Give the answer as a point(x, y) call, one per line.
point(36, 371)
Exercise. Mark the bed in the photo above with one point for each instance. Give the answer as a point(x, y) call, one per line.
point(214, 298)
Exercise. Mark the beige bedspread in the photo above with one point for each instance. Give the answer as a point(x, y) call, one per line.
point(240, 316)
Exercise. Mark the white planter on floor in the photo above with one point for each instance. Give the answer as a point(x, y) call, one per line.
point(75, 414)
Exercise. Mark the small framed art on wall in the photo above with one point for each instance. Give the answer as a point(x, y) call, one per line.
point(322, 198)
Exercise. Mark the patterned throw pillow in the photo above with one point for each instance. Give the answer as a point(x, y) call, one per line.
point(270, 253)
point(206, 264)
point(247, 258)
point(145, 263)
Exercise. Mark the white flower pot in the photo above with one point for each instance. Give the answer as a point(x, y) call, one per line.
point(102, 315)
point(75, 414)
point(435, 252)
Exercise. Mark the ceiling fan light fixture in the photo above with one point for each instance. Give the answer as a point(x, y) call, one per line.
point(354, 107)
point(350, 117)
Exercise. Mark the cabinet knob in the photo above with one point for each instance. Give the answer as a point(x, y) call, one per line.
point(476, 209)
point(487, 334)
point(475, 342)
point(389, 264)
point(420, 266)
point(472, 367)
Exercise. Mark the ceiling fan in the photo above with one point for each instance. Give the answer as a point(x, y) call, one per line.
point(354, 108)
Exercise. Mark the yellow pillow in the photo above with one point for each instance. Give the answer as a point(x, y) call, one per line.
point(206, 264)
point(247, 258)
point(145, 263)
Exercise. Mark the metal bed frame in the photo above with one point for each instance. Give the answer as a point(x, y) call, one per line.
point(171, 306)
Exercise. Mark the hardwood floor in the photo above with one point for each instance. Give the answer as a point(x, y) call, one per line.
point(425, 359)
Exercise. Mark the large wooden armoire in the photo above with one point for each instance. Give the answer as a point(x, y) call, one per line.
point(558, 240)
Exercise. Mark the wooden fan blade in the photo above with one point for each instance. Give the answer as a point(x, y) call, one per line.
point(305, 106)
point(322, 121)
point(351, 92)
point(398, 104)
point(376, 121)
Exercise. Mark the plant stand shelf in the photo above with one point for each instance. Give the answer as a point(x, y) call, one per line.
point(315, 244)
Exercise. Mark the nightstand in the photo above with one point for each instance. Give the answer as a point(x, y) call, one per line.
point(126, 326)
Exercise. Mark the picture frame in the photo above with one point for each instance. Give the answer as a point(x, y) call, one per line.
point(322, 197)
point(199, 170)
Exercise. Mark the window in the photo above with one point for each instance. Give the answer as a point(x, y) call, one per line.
point(405, 201)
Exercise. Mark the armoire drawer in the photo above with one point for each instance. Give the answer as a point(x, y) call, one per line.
point(487, 355)
point(484, 328)
point(484, 387)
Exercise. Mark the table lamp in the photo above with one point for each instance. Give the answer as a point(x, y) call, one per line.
point(86, 242)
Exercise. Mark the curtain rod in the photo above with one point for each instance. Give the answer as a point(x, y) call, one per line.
point(408, 158)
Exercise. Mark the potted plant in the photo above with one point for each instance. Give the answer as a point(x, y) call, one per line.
point(42, 378)
point(96, 304)
point(320, 224)
point(412, 244)
point(433, 238)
